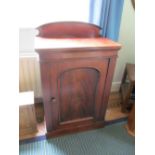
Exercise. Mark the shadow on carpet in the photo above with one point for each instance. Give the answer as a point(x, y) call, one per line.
point(110, 140)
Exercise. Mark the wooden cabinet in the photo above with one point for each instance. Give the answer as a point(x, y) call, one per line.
point(76, 81)
point(127, 88)
point(131, 122)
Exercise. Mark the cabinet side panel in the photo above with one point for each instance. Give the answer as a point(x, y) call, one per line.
point(108, 83)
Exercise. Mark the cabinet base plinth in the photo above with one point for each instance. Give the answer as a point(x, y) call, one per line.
point(75, 129)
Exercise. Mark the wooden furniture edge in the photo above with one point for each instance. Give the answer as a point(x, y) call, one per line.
point(75, 129)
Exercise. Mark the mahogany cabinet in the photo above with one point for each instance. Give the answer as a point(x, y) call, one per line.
point(76, 77)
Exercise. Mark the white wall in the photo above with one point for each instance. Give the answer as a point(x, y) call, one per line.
point(37, 12)
point(26, 39)
point(127, 39)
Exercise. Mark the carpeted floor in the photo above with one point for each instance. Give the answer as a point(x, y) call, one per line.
point(110, 140)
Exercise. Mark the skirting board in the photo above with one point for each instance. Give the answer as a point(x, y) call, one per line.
point(115, 86)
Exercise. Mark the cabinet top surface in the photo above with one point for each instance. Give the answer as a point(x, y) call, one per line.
point(42, 43)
